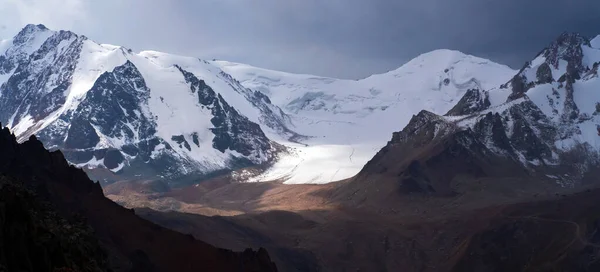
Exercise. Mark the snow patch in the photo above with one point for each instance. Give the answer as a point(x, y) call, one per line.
point(4, 45)
point(596, 42)
point(118, 168)
point(93, 163)
point(25, 123)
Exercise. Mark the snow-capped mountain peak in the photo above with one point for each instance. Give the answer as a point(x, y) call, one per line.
point(548, 121)
point(347, 121)
point(140, 115)
point(152, 115)
point(454, 64)
point(27, 41)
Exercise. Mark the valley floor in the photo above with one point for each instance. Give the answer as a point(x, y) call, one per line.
point(324, 228)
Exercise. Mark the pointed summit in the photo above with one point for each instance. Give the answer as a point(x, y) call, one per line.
point(571, 38)
point(567, 47)
point(27, 41)
point(28, 32)
point(34, 27)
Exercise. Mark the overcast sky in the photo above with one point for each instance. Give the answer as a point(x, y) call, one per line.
point(339, 38)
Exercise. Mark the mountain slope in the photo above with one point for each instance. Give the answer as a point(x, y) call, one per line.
point(129, 243)
point(541, 127)
point(140, 115)
point(56, 245)
point(551, 111)
point(347, 121)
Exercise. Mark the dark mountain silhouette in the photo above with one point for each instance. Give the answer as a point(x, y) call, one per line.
point(54, 218)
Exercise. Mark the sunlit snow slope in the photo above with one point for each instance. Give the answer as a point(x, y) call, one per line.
point(348, 121)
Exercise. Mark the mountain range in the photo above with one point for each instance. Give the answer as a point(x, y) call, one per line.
point(448, 163)
point(149, 115)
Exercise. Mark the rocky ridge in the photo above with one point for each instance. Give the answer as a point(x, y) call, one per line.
point(103, 234)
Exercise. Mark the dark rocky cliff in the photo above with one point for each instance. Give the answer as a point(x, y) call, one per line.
point(42, 195)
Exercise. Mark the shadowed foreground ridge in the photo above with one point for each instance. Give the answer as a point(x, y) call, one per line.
point(54, 218)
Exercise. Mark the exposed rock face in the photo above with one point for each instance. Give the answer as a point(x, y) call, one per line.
point(531, 132)
point(270, 115)
point(473, 101)
point(568, 49)
point(37, 85)
point(131, 243)
point(112, 108)
point(544, 74)
point(232, 130)
point(519, 87)
point(24, 40)
point(430, 152)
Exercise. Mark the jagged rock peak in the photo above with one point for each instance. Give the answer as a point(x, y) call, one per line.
point(28, 32)
point(30, 28)
point(36, 26)
point(569, 48)
point(473, 101)
point(566, 39)
point(566, 47)
point(18, 160)
point(422, 118)
point(426, 124)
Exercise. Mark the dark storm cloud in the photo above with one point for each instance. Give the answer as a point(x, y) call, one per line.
point(392, 32)
point(343, 38)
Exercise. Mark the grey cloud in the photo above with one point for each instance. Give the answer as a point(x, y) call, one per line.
point(342, 38)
